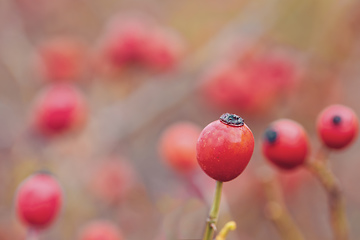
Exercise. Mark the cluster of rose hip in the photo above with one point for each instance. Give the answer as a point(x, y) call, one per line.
point(225, 147)
point(223, 150)
point(251, 81)
point(38, 202)
point(127, 42)
point(286, 143)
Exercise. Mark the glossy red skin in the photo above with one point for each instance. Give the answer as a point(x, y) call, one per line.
point(224, 151)
point(61, 59)
point(177, 146)
point(60, 108)
point(291, 146)
point(337, 136)
point(100, 230)
point(38, 200)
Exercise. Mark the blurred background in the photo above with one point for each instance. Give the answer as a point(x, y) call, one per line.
point(120, 74)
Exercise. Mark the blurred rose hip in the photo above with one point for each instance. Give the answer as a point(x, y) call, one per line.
point(100, 230)
point(286, 144)
point(38, 200)
point(337, 126)
point(230, 87)
point(61, 59)
point(58, 109)
point(112, 180)
point(278, 70)
point(123, 41)
point(177, 146)
point(163, 50)
point(253, 85)
point(136, 40)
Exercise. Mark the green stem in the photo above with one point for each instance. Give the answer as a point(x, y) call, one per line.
point(214, 212)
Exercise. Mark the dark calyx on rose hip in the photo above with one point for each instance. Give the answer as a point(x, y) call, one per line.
point(232, 120)
point(336, 120)
point(270, 135)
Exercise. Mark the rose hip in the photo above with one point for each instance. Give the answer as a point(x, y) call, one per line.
point(59, 109)
point(225, 147)
point(177, 146)
point(38, 200)
point(163, 50)
point(337, 126)
point(61, 59)
point(285, 144)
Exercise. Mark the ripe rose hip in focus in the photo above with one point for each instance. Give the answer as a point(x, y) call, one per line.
point(337, 126)
point(177, 146)
point(285, 144)
point(225, 147)
point(38, 200)
point(60, 108)
point(100, 230)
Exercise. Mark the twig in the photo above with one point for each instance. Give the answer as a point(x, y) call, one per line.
point(336, 201)
point(214, 212)
point(277, 211)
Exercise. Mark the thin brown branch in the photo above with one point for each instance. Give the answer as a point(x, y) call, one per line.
point(336, 200)
point(277, 212)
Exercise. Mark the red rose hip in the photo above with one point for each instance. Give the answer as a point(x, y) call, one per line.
point(337, 126)
point(285, 144)
point(62, 59)
point(59, 109)
point(124, 40)
point(225, 147)
point(163, 50)
point(39, 200)
point(177, 146)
